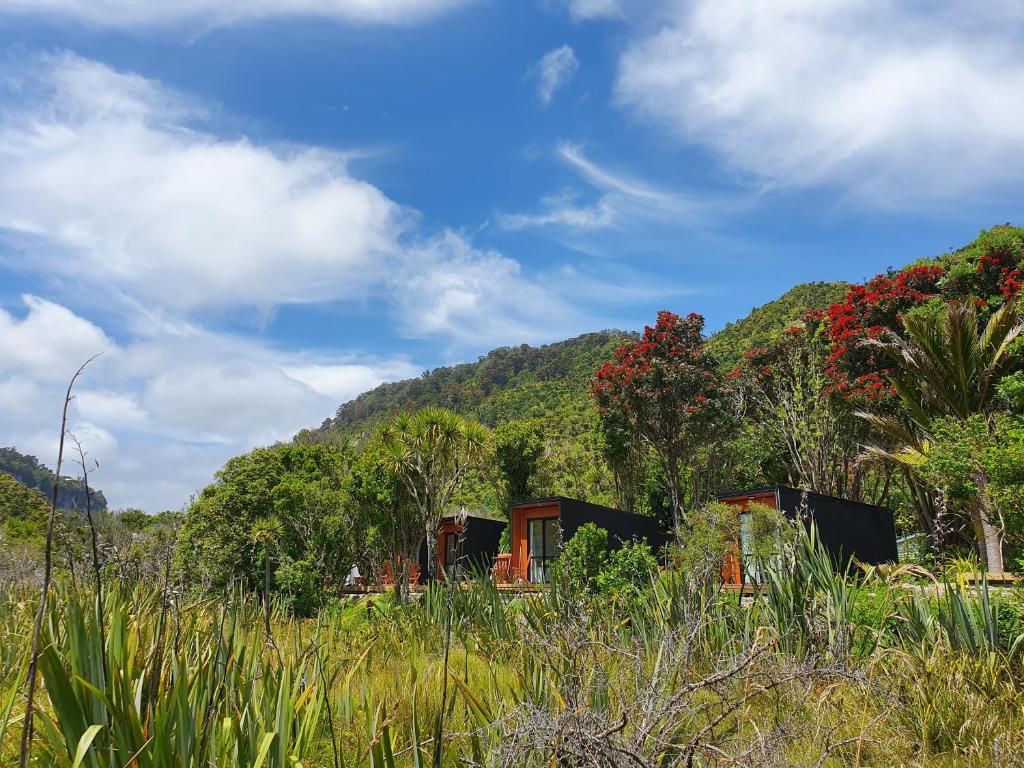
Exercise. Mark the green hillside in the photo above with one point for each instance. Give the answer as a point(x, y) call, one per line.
point(763, 325)
point(526, 382)
point(507, 383)
point(28, 471)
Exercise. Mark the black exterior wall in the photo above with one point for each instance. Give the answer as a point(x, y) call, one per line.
point(846, 529)
point(621, 526)
point(479, 545)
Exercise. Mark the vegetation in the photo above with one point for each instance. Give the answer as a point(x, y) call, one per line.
point(29, 472)
point(820, 670)
point(764, 326)
point(667, 391)
point(223, 636)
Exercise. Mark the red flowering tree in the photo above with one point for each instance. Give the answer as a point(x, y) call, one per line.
point(668, 390)
point(869, 311)
point(986, 273)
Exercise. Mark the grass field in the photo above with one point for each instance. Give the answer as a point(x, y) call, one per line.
point(817, 671)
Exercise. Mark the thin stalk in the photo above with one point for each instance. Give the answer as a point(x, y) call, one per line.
point(28, 728)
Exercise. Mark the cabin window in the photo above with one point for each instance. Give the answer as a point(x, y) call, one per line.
point(544, 537)
point(451, 555)
point(748, 561)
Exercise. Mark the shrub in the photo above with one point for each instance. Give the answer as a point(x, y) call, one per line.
point(299, 582)
point(583, 559)
point(628, 570)
point(711, 531)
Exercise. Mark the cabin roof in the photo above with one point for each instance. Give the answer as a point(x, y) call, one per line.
point(798, 491)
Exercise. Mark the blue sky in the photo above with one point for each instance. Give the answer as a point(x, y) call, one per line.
point(257, 210)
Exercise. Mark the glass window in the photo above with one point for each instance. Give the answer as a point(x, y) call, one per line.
point(544, 538)
point(747, 560)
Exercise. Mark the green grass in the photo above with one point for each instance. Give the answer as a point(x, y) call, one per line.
point(862, 671)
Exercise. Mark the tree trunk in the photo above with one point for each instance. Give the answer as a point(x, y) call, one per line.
point(675, 495)
point(432, 551)
point(990, 536)
point(992, 544)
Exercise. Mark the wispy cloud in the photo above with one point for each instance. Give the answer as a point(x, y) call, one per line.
point(554, 71)
point(898, 104)
point(585, 10)
point(623, 199)
point(135, 14)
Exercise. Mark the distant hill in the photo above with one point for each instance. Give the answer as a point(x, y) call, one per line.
point(525, 382)
point(761, 327)
point(507, 383)
point(29, 472)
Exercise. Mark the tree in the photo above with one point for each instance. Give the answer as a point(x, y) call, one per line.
point(518, 448)
point(431, 451)
point(667, 388)
point(23, 512)
point(787, 391)
point(946, 368)
point(378, 498)
point(299, 486)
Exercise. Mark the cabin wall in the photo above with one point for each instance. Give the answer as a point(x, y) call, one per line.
point(519, 516)
point(847, 528)
point(621, 526)
point(479, 546)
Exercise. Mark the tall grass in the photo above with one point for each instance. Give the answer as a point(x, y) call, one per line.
point(818, 669)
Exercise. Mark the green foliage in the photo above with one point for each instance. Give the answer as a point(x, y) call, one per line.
point(377, 496)
point(518, 447)
point(28, 471)
point(764, 326)
point(23, 512)
point(980, 460)
point(629, 570)
point(586, 565)
point(297, 488)
point(709, 533)
point(583, 559)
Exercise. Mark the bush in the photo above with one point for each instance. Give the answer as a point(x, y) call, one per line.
point(586, 566)
point(711, 531)
point(628, 570)
point(583, 559)
point(299, 582)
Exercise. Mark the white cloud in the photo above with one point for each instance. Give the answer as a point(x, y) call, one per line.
point(162, 413)
point(555, 70)
point(562, 210)
point(583, 10)
point(344, 381)
point(109, 167)
point(481, 298)
point(624, 199)
point(49, 343)
point(107, 178)
point(897, 103)
point(216, 13)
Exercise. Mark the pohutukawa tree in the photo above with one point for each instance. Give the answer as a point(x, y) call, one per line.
point(667, 388)
point(432, 450)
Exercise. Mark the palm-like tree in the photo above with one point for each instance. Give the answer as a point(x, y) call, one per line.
point(947, 366)
point(432, 450)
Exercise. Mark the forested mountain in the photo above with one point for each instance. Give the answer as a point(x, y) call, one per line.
point(28, 471)
point(509, 382)
point(526, 382)
point(764, 324)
